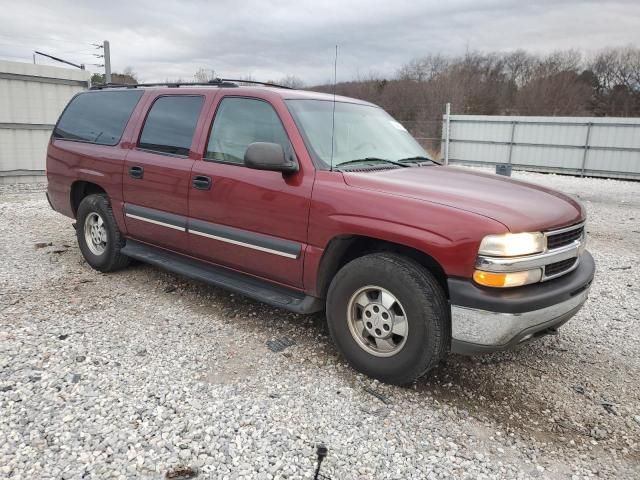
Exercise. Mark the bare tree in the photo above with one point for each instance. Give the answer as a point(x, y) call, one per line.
point(616, 78)
point(129, 72)
point(424, 68)
point(246, 78)
point(126, 77)
point(291, 81)
point(519, 67)
point(604, 66)
point(559, 61)
point(204, 75)
point(562, 93)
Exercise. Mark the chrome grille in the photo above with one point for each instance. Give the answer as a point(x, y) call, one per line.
point(557, 240)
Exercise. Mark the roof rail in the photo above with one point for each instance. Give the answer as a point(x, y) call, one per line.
point(217, 82)
point(253, 82)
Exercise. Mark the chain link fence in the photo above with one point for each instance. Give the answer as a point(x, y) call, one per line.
point(428, 133)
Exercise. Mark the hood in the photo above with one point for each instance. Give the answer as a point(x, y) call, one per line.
point(520, 206)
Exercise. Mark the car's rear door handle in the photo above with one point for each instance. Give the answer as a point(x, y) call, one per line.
point(202, 182)
point(136, 172)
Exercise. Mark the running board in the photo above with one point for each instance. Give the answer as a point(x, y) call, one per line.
point(252, 287)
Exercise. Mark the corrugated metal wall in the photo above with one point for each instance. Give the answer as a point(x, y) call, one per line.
point(592, 146)
point(31, 99)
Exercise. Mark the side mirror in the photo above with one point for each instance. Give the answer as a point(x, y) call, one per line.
point(268, 156)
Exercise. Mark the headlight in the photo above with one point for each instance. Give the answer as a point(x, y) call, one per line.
point(512, 244)
point(504, 280)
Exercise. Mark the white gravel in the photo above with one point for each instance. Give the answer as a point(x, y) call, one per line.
point(139, 373)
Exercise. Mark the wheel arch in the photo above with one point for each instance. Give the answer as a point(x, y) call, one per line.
point(81, 189)
point(344, 248)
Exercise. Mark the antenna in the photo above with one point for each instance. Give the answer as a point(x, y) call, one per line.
point(333, 113)
point(36, 52)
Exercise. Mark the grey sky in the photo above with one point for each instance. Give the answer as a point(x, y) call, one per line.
point(270, 39)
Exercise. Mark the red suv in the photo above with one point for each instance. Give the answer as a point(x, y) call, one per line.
point(307, 202)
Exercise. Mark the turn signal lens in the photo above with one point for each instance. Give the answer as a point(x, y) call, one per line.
point(505, 280)
point(512, 244)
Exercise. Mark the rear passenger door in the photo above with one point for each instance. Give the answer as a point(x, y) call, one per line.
point(157, 172)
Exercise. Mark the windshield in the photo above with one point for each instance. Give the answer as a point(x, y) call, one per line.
point(361, 132)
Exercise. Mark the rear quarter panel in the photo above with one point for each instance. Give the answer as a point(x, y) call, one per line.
point(69, 161)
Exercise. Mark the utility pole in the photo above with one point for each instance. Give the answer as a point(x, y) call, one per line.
point(107, 62)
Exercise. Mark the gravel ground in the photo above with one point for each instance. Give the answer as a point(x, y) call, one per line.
point(143, 374)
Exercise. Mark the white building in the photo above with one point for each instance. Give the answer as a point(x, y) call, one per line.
point(31, 99)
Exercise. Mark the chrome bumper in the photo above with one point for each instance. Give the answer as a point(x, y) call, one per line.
point(477, 331)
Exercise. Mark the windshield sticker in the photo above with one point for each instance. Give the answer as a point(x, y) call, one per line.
point(397, 125)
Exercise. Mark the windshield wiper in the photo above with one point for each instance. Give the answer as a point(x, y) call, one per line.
point(371, 160)
point(419, 160)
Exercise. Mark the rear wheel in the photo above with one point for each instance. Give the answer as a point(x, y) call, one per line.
point(389, 317)
point(98, 236)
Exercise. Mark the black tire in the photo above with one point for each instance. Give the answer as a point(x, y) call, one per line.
point(425, 304)
point(110, 259)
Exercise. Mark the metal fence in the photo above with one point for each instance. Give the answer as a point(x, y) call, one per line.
point(587, 146)
point(31, 99)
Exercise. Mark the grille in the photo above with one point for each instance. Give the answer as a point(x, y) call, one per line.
point(559, 267)
point(565, 238)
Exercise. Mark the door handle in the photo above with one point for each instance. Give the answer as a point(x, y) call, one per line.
point(136, 172)
point(202, 182)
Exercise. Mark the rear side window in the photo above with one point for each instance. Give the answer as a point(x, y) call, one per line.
point(170, 125)
point(97, 117)
point(239, 122)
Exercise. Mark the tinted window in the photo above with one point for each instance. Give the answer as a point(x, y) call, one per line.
point(170, 124)
point(97, 117)
point(239, 122)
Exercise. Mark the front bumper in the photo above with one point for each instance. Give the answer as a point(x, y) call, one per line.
point(486, 320)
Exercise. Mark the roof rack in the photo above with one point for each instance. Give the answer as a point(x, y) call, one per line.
point(217, 82)
point(252, 82)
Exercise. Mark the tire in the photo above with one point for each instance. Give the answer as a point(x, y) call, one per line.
point(419, 299)
point(100, 246)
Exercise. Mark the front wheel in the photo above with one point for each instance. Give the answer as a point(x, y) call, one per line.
point(389, 317)
point(98, 235)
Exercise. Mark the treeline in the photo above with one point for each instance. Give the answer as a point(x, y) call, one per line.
point(516, 83)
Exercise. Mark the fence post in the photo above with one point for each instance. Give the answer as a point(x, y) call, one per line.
point(513, 136)
point(586, 149)
point(447, 132)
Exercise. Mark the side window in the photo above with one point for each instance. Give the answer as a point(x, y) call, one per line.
point(97, 117)
point(239, 122)
point(170, 124)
